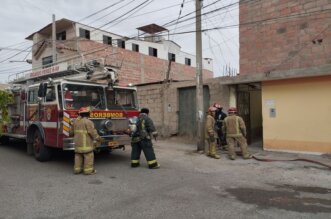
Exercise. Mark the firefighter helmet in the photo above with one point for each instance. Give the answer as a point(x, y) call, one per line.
point(212, 109)
point(84, 110)
point(217, 105)
point(232, 110)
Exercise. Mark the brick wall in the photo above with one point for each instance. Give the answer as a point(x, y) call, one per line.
point(162, 100)
point(287, 43)
point(138, 68)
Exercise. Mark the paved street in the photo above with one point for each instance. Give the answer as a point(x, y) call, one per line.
point(188, 185)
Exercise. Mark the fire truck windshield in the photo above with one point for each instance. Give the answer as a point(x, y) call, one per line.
point(121, 99)
point(78, 95)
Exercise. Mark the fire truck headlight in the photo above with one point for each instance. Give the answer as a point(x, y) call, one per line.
point(108, 125)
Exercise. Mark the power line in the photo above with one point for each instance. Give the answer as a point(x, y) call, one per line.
point(298, 15)
point(97, 12)
point(111, 12)
point(132, 13)
point(132, 9)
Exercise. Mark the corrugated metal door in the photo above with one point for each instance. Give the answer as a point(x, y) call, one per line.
point(187, 110)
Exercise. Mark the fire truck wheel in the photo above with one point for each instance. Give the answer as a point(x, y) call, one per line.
point(4, 140)
point(41, 152)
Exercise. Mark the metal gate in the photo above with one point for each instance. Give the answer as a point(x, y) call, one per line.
point(187, 110)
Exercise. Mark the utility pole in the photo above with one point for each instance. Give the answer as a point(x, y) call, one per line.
point(54, 39)
point(199, 83)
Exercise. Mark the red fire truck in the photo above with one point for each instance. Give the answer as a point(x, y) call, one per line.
point(46, 102)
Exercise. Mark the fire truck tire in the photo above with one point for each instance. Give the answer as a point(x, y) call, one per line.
point(41, 151)
point(4, 140)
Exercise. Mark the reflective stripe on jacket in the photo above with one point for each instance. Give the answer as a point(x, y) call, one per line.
point(234, 126)
point(84, 134)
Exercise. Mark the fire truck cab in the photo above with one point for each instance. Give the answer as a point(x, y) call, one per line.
point(45, 106)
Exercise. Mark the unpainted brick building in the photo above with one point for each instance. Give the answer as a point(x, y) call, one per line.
point(137, 61)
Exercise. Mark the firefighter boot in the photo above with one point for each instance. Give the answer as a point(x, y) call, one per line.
point(153, 164)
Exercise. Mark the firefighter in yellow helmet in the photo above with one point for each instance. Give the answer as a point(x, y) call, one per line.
point(210, 133)
point(235, 129)
point(84, 134)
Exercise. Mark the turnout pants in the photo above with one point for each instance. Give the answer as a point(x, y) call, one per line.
point(212, 147)
point(147, 147)
point(232, 142)
point(84, 162)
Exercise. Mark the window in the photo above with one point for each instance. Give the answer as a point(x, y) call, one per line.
point(77, 96)
point(187, 61)
point(121, 99)
point(121, 43)
point(59, 94)
point(135, 47)
point(84, 33)
point(152, 51)
point(61, 36)
point(33, 96)
point(171, 57)
point(107, 40)
point(47, 61)
point(50, 94)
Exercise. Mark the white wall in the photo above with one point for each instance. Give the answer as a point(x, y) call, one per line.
point(163, 47)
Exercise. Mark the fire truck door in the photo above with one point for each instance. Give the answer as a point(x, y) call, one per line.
point(49, 116)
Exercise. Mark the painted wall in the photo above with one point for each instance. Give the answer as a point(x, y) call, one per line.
point(302, 116)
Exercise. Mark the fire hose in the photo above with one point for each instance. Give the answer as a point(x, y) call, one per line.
point(290, 160)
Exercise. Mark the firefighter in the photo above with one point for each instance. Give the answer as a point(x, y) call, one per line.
point(68, 99)
point(84, 134)
point(141, 141)
point(210, 133)
point(235, 130)
point(219, 119)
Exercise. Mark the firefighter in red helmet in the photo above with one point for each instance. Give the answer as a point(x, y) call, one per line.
point(68, 98)
point(84, 135)
point(219, 119)
point(235, 130)
point(210, 133)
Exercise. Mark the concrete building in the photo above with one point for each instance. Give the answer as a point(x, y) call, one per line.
point(138, 61)
point(284, 87)
point(283, 91)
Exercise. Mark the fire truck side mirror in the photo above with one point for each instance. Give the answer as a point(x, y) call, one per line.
point(42, 90)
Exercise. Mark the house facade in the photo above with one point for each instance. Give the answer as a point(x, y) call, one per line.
point(284, 86)
point(138, 61)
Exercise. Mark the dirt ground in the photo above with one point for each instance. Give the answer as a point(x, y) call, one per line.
point(188, 185)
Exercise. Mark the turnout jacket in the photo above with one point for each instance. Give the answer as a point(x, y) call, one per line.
point(145, 128)
point(210, 127)
point(234, 126)
point(84, 134)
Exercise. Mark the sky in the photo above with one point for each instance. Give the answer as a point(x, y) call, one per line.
point(20, 18)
